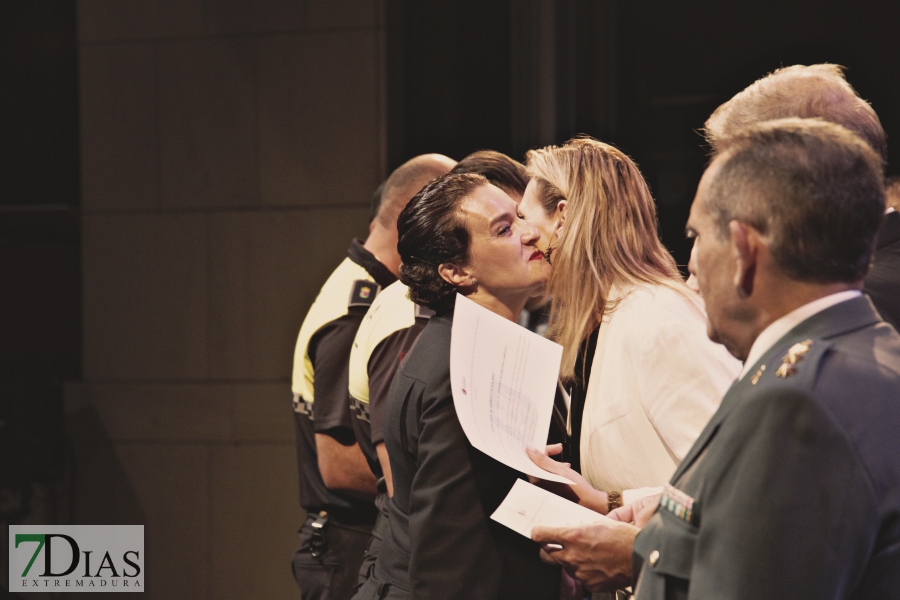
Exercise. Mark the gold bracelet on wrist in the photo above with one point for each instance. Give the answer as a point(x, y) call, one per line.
point(615, 501)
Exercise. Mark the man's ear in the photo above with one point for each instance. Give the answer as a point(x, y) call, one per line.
point(455, 275)
point(745, 241)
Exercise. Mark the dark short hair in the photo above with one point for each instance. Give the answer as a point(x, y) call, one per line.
point(431, 233)
point(377, 196)
point(499, 169)
point(813, 187)
point(406, 180)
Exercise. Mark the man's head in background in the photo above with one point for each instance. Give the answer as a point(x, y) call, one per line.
point(786, 213)
point(404, 183)
point(376, 200)
point(814, 91)
point(499, 169)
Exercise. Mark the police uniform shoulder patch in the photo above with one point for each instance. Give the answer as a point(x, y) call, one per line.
point(363, 293)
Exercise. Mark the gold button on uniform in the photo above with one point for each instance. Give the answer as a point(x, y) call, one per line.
point(654, 558)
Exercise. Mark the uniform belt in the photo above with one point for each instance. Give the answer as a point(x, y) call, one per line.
point(341, 518)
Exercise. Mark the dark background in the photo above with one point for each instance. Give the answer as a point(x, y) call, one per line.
point(39, 184)
point(672, 65)
point(40, 257)
point(451, 89)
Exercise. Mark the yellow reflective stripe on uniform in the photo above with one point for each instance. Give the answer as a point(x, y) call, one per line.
point(390, 312)
point(330, 304)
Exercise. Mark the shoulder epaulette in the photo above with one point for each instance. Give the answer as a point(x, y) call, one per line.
point(363, 293)
point(799, 366)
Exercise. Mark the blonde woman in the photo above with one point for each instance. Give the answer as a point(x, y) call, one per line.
point(636, 355)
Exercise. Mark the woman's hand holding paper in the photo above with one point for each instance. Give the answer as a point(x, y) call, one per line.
point(580, 492)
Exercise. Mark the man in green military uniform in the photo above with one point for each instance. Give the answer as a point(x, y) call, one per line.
point(821, 91)
point(337, 487)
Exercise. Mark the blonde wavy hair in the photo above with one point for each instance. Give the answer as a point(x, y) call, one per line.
point(609, 237)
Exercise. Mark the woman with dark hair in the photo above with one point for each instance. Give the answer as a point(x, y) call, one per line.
point(460, 234)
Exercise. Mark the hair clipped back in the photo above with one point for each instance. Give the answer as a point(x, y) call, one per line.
point(609, 237)
point(431, 233)
point(806, 92)
point(499, 169)
point(812, 187)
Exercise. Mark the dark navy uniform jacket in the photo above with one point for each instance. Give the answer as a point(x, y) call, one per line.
point(796, 479)
point(883, 281)
point(442, 543)
point(319, 383)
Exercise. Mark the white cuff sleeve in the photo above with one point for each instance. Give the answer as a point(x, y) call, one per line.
point(629, 496)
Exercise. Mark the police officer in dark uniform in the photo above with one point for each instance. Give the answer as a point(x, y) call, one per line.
point(791, 490)
point(336, 485)
point(387, 333)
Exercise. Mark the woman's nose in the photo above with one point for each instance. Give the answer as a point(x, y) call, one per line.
point(530, 233)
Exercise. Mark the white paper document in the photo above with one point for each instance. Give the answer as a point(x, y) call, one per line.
point(503, 379)
point(527, 506)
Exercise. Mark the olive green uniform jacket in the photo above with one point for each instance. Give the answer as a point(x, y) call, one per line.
point(796, 479)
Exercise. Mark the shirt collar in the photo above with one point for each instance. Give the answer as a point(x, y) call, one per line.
point(380, 273)
point(777, 329)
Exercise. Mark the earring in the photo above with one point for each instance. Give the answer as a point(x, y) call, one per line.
point(474, 282)
point(549, 251)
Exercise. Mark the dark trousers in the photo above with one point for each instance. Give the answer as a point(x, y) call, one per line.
point(375, 589)
point(332, 575)
point(374, 548)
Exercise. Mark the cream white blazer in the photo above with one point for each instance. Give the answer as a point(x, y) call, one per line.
point(655, 382)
